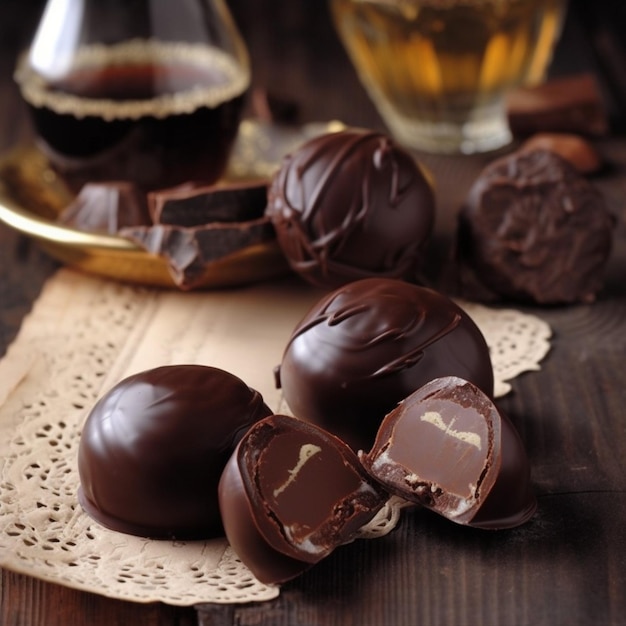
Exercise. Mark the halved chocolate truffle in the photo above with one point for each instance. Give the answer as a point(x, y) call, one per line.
point(368, 345)
point(448, 448)
point(290, 495)
point(351, 205)
point(534, 229)
point(153, 448)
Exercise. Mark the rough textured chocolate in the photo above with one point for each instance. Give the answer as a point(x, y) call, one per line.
point(351, 205)
point(569, 104)
point(197, 206)
point(291, 494)
point(575, 149)
point(190, 251)
point(534, 229)
point(366, 346)
point(106, 208)
point(153, 449)
point(448, 448)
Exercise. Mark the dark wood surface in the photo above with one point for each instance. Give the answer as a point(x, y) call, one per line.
point(568, 565)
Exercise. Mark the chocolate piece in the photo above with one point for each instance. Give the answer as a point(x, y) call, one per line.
point(366, 346)
point(575, 149)
point(290, 495)
point(351, 205)
point(190, 251)
point(153, 448)
point(571, 104)
point(106, 208)
point(448, 448)
point(533, 229)
point(197, 206)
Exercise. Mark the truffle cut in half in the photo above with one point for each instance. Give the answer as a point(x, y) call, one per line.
point(448, 448)
point(291, 494)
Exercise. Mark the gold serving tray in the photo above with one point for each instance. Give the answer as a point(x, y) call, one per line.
point(31, 198)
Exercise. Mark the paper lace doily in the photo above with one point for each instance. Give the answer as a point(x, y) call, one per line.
point(85, 334)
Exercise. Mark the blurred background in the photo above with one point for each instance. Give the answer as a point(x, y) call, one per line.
point(271, 43)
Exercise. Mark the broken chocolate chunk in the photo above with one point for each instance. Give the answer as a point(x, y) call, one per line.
point(106, 208)
point(190, 251)
point(196, 206)
point(570, 104)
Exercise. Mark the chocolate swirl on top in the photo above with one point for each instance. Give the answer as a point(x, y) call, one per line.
point(368, 345)
point(351, 205)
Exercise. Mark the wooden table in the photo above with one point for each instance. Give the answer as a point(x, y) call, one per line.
point(568, 566)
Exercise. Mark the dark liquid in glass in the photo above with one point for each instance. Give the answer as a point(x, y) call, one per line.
point(155, 122)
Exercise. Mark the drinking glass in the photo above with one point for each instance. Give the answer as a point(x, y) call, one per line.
point(439, 70)
point(149, 91)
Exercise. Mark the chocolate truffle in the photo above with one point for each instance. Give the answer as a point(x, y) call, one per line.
point(368, 345)
point(533, 229)
point(290, 495)
point(153, 448)
point(351, 205)
point(448, 448)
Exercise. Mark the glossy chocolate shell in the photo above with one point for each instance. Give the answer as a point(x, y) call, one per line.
point(350, 205)
point(153, 448)
point(368, 345)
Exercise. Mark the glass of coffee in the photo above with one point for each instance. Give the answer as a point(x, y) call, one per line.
point(149, 91)
point(438, 70)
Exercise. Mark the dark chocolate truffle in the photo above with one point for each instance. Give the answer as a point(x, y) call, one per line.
point(534, 229)
point(291, 494)
point(369, 344)
point(351, 205)
point(153, 448)
point(448, 448)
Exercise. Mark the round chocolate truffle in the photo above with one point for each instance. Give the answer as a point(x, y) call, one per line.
point(291, 494)
point(368, 345)
point(153, 448)
point(448, 448)
point(351, 205)
point(534, 229)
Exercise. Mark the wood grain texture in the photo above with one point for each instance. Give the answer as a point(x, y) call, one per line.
point(568, 565)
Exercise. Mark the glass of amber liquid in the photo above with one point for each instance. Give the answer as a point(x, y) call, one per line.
point(149, 91)
point(438, 70)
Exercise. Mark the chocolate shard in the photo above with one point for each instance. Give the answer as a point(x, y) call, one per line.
point(291, 494)
point(190, 251)
point(153, 449)
point(533, 229)
point(364, 347)
point(196, 206)
point(351, 205)
point(448, 448)
point(570, 104)
point(106, 208)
